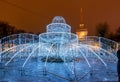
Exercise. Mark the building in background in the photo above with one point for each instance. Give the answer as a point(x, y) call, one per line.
point(82, 30)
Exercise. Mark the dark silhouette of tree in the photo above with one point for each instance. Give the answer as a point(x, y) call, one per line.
point(117, 34)
point(7, 29)
point(111, 36)
point(17, 31)
point(102, 29)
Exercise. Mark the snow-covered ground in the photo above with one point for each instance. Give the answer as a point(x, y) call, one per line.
point(76, 71)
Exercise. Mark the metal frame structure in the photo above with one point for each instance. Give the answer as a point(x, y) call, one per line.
point(57, 53)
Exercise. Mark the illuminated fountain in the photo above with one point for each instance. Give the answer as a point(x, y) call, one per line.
point(57, 56)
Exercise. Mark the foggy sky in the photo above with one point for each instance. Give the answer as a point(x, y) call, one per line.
point(36, 14)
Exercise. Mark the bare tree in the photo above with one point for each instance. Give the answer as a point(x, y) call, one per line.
point(102, 29)
point(6, 29)
point(117, 34)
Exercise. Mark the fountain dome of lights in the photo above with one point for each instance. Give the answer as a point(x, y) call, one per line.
point(57, 56)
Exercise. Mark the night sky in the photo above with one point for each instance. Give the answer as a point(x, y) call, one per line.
point(34, 15)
